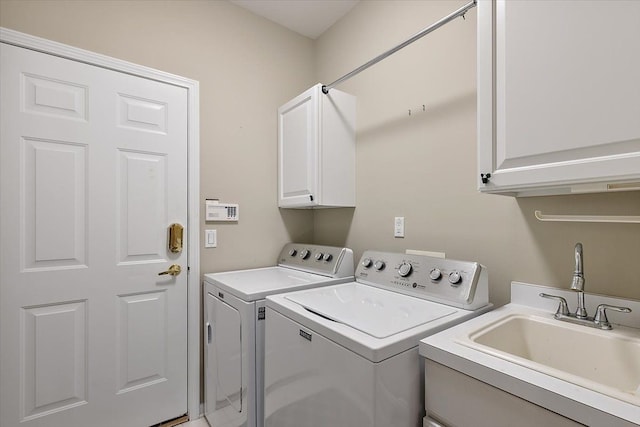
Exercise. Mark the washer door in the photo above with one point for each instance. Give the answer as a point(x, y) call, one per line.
point(227, 355)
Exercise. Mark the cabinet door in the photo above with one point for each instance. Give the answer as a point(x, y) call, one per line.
point(558, 95)
point(298, 150)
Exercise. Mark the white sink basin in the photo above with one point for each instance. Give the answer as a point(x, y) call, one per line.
point(604, 361)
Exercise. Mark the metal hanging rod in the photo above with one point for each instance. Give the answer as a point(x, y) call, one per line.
point(432, 27)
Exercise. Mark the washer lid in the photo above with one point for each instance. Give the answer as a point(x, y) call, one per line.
point(256, 284)
point(373, 311)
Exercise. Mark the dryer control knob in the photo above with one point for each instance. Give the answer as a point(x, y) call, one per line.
point(435, 274)
point(379, 265)
point(366, 263)
point(455, 277)
point(405, 269)
point(318, 256)
point(304, 254)
point(327, 257)
point(293, 252)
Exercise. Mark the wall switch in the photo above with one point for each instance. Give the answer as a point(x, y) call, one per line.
point(210, 238)
point(398, 226)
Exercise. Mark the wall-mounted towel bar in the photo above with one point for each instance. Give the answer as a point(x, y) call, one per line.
point(432, 27)
point(588, 218)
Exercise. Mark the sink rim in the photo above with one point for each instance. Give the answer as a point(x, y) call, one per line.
point(631, 335)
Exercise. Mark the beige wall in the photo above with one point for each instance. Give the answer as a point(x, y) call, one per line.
point(423, 166)
point(246, 66)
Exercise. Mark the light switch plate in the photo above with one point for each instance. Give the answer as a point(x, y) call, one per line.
point(210, 238)
point(398, 226)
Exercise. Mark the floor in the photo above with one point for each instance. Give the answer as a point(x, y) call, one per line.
point(200, 422)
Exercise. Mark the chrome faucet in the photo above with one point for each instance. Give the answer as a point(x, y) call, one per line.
point(577, 284)
point(580, 317)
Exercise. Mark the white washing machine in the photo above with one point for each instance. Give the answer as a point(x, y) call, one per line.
point(347, 355)
point(234, 326)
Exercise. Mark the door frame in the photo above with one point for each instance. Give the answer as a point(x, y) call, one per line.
point(38, 44)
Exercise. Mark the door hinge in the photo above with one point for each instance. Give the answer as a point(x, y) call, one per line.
point(485, 177)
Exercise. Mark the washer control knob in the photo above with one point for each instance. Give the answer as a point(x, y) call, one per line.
point(327, 257)
point(435, 274)
point(379, 265)
point(293, 252)
point(318, 256)
point(366, 263)
point(405, 269)
point(455, 277)
point(304, 254)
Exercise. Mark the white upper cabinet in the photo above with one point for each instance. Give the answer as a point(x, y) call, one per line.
point(558, 96)
point(316, 150)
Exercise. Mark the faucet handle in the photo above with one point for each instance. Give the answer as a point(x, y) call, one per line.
point(563, 308)
point(600, 318)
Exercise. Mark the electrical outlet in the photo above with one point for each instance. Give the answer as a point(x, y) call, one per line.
point(398, 226)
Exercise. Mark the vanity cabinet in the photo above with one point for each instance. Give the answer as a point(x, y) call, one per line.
point(558, 96)
point(454, 399)
point(316, 150)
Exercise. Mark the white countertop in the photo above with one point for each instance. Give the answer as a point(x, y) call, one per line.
point(571, 400)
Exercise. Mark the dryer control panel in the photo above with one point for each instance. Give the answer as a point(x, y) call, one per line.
point(329, 261)
point(461, 284)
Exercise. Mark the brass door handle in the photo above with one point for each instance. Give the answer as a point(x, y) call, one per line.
point(173, 270)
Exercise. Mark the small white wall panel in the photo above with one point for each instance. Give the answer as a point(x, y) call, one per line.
point(51, 97)
point(142, 342)
point(54, 204)
point(142, 114)
point(54, 345)
point(143, 206)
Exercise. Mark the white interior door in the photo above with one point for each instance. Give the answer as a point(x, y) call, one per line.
point(93, 169)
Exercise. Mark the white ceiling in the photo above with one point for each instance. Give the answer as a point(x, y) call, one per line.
point(310, 18)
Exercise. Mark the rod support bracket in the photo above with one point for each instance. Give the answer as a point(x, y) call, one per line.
point(325, 89)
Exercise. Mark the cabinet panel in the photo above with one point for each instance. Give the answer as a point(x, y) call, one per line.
point(558, 95)
point(480, 404)
point(298, 148)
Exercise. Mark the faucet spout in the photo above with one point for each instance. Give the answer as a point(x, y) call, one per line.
point(578, 274)
point(577, 284)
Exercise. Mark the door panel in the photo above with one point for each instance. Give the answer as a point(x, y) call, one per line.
point(142, 208)
point(142, 340)
point(53, 346)
point(53, 202)
point(53, 97)
point(92, 172)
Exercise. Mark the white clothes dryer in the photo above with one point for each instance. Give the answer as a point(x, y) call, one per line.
point(234, 312)
point(347, 355)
